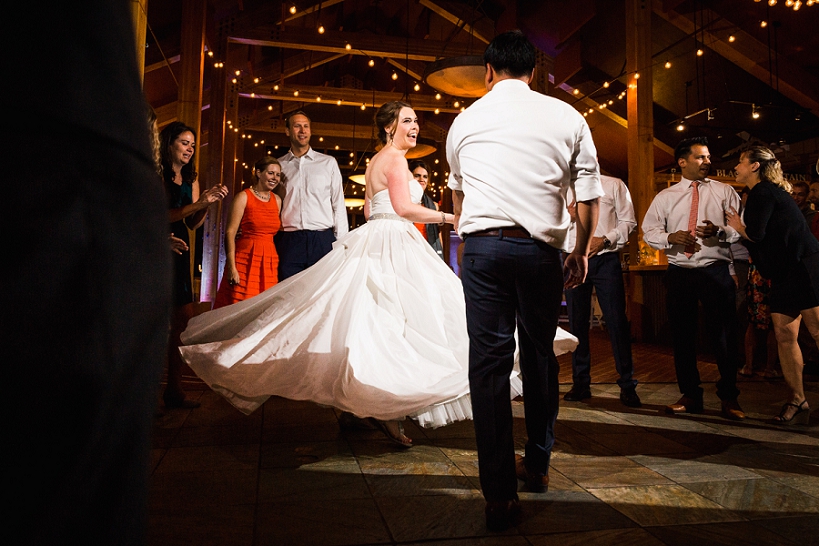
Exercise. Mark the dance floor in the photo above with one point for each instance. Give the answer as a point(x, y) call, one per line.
point(289, 475)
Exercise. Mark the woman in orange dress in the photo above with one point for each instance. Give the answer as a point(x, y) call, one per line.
point(252, 263)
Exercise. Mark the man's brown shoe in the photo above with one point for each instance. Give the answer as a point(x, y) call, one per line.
point(534, 482)
point(500, 516)
point(685, 405)
point(731, 410)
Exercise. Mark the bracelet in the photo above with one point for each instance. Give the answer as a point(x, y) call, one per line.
point(443, 218)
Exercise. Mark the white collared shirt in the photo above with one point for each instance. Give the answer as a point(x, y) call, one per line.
point(669, 213)
point(514, 154)
point(315, 193)
point(616, 218)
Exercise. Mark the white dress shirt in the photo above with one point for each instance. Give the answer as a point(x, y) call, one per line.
point(616, 218)
point(315, 194)
point(514, 154)
point(669, 213)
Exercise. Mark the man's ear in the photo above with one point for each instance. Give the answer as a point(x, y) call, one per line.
point(489, 77)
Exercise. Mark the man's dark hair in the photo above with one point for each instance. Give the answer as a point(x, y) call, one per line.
point(683, 149)
point(511, 53)
point(800, 184)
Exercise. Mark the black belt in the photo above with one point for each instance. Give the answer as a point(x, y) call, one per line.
point(515, 232)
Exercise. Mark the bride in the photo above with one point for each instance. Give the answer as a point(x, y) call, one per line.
point(376, 328)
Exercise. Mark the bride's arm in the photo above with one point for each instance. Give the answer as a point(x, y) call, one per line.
point(398, 175)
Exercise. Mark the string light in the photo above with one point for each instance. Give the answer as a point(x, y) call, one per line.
point(457, 104)
point(296, 93)
point(606, 85)
point(394, 76)
point(437, 111)
point(363, 106)
point(700, 52)
point(437, 96)
point(338, 102)
point(270, 107)
point(668, 64)
point(417, 87)
point(321, 29)
point(371, 63)
point(681, 126)
point(276, 87)
point(754, 111)
point(293, 10)
point(732, 38)
point(321, 139)
point(348, 47)
point(763, 24)
point(255, 80)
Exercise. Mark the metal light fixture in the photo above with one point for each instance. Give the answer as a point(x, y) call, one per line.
point(457, 76)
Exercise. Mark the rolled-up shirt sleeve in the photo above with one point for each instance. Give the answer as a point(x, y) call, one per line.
point(584, 168)
point(654, 228)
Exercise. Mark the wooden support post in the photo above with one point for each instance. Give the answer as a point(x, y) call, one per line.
point(640, 133)
point(139, 14)
point(222, 144)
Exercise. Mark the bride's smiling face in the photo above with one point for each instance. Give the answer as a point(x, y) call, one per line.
point(405, 129)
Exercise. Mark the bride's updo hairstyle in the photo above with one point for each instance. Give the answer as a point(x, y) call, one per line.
point(770, 170)
point(385, 116)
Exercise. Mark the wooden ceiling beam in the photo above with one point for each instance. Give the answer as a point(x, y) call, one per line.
point(356, 97)
point(751, 55)
point(337, 42)
point(454, 19)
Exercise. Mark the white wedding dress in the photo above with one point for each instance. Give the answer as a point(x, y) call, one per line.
point(377, 328)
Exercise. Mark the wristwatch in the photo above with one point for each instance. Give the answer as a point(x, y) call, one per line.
point(606, 243)
point(720, 233)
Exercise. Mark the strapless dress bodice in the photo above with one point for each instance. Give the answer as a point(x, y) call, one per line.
point(381, 204)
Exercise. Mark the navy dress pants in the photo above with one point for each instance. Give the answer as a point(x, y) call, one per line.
point(606, 277)
point(298, 250)
point(713, 286)
point(509, 283)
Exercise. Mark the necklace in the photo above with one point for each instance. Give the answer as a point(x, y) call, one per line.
point(259, 195)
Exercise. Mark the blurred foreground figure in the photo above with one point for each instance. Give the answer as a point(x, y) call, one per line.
point(86, 277)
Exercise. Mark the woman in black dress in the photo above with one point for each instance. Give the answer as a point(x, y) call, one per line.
point(784, 250)
point(187, 210)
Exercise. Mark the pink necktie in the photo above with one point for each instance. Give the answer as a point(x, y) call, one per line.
point(692, 217)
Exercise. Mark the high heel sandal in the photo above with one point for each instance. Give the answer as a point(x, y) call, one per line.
point(800, 417)
point(402, 439)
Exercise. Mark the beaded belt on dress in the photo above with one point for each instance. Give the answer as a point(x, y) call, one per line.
point(386, 216)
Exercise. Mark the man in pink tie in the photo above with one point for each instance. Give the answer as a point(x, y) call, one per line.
point(687, 220)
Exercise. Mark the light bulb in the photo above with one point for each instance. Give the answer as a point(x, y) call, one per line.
point(668, 64)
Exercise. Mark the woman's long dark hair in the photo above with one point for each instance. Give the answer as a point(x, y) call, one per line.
point(166, 138)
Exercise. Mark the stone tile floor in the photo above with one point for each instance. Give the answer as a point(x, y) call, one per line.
point(289, 475)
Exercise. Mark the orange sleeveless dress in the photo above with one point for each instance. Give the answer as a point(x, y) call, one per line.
point(256, 257)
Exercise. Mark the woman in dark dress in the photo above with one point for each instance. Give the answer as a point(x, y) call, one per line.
point(431, 232)
point(187, 211)
point(783, 248)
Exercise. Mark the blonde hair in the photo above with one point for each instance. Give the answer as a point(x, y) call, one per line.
point(770, 170)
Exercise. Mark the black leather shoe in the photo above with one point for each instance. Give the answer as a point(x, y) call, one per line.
point(500, 516)
point(629, 398)
point(535, 483)
point(577, 394)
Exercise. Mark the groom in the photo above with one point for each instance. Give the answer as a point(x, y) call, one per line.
point(513, 218)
